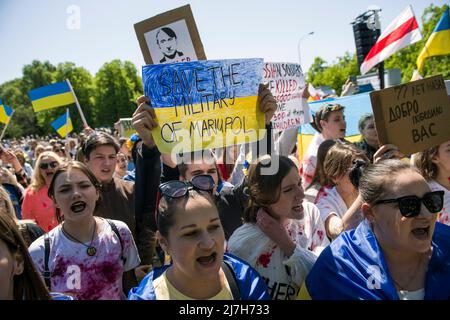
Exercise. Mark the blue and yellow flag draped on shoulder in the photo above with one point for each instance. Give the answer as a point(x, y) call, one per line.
point(439, 41)
point(60, 124)
point(51, 96)
point(353, 268)
point(5, 112)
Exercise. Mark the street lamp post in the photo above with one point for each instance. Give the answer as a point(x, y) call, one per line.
point(299, 40)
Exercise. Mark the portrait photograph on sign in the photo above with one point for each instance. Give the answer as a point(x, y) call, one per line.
point(170, 37)
point(171, 43)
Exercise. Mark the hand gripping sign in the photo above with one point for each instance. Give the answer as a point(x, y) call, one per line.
point(205, 104)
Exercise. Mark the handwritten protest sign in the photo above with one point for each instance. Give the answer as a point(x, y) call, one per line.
point(204, 104)
point(125, 127)
point(413, 116)
point(170, 37)
point(286, 82)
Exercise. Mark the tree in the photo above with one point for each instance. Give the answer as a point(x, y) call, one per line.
point(406, 58)
point(334, 75)
point(117, 87)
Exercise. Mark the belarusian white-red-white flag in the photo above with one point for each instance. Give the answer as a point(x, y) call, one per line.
point(400, 33)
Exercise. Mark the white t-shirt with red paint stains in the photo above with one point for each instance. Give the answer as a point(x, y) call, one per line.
point(76, 273)
point(329, 202)
point(284, 276)
point(309, 161)
point(444, 215)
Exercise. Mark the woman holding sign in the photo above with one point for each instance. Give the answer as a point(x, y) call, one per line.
point(434, 165)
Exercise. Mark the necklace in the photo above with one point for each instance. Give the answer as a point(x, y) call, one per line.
point(414, 274)
point(91, 250)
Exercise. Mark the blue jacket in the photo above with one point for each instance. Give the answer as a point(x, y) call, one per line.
point(251, 285)
point(353, 267)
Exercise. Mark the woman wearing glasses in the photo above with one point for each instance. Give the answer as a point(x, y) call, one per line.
point(434, 165)
point(329, 121)
point(36, 204)
point(189, 230)
point(87, 257)
point(397, 252)
point(283, 234)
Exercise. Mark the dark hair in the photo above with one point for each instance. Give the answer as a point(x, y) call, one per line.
point(363, 120)
point(377, 177)
point(319, 176)
point(64, 168)
point(169, 207)
point(323, 113)
point(29, 284)
point(98, 139)
point(190, 157)
point(167, 31)
point(265, 189)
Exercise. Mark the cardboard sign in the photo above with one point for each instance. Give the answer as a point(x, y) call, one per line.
point(204, 104)
point(414, 116)
point(286, 83)
point(170, 37)
point(125, 127)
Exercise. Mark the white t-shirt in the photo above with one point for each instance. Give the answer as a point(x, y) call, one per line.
point(444, 216)
point(329, 202)
point(284, 276)
point(75, 273)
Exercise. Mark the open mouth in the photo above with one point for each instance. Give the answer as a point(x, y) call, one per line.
point(49, 174)
point(421, 233)
point(207, 260)
point(298, 208)
point(78, 206)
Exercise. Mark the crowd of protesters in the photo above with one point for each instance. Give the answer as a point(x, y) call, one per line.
point(110, 217)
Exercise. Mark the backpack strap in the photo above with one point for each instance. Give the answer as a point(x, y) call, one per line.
point(47, 273)
point(116, 231)
point(231, 278)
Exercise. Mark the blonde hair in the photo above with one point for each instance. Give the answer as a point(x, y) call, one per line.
point(4, 196)
point(339, 160)
point(38, 181)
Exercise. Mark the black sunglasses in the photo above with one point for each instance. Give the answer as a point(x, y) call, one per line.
point(178, 189)
point(410, 205)
point(45, 166)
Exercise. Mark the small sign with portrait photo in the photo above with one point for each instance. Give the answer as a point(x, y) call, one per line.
point(170, 37)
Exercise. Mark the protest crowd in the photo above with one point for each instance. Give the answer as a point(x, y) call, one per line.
point(97, 215)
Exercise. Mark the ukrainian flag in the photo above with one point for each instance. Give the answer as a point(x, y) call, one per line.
point(355, 105)
point(51, 96)
point(60, 125)
point(5, 113)
point(439, 41)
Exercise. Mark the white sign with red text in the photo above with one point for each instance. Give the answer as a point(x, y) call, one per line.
point(286, 82)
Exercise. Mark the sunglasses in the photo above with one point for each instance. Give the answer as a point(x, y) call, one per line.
point(178, 189)
point(410, 205)
point(45, 165)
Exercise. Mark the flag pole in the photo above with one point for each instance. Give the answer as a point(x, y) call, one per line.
point(6, 125)
point(67, 123)
point(78, 104)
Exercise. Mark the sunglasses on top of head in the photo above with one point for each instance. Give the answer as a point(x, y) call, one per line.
point(410, 205)
point(45, 165)
point(178, 189)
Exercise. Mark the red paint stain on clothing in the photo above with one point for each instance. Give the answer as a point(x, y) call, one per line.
point(264, 259)
point(320, 234)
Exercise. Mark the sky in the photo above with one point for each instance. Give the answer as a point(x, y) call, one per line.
point(270, 29)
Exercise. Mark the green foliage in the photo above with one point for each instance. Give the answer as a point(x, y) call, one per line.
point(336, 74)
point(406, 58)
point(117, 87)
